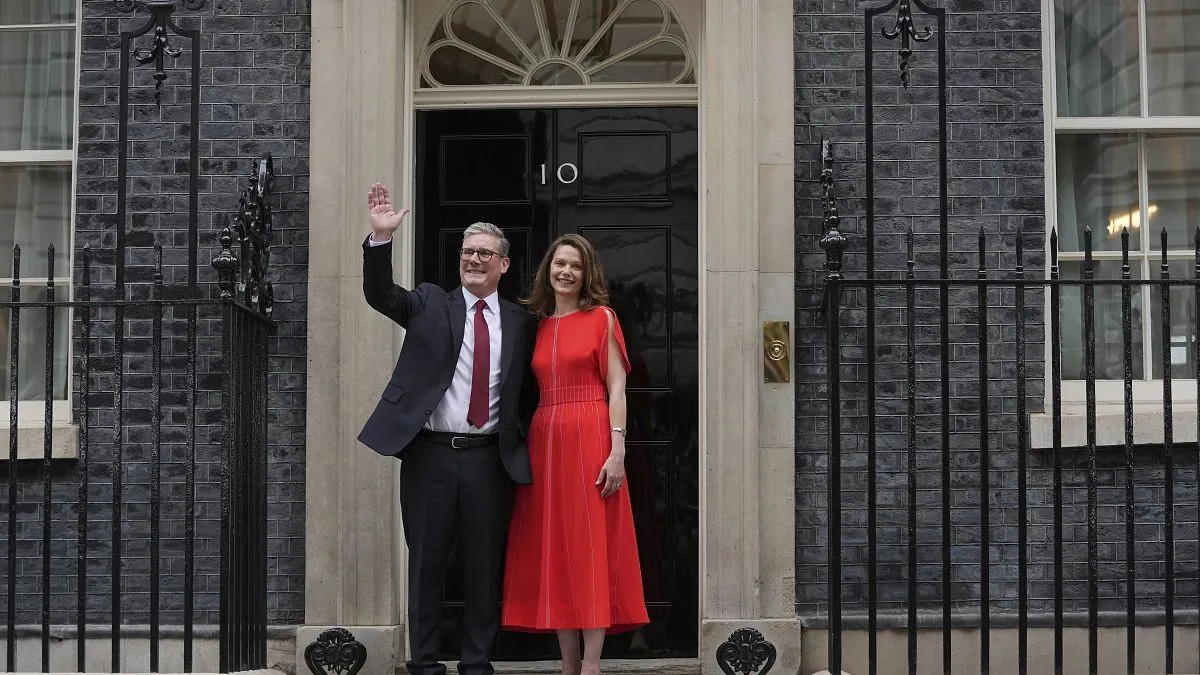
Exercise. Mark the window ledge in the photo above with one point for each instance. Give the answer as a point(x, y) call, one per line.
point(1110, 426)
point(31, 441)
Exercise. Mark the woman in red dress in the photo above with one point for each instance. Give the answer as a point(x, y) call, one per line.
point(572, 564)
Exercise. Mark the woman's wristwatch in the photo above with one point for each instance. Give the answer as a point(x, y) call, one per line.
point(620, 430)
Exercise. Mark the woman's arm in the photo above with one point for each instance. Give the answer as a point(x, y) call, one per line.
point(612, 475)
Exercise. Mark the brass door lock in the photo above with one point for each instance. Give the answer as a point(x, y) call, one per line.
point(777, 353)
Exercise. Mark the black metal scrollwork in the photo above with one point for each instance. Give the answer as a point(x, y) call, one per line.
point(746, 652)
point(161, 48)
point(160, 19)
point(907, 32)
point(243, 275)
point(335, 650)
point(833, 242)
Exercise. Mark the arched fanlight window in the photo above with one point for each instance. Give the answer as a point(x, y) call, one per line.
point(556, 42)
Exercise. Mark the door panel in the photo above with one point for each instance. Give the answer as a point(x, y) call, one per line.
point(627, 180)
point(478, 166)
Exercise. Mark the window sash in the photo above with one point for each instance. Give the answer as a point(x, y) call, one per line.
point(1147, 257)
point(1143, 118)
point(37, 156)
point(18, 27)
point(32, 411)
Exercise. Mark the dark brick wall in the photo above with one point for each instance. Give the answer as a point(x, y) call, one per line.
point(254, 99)
point(996, 186)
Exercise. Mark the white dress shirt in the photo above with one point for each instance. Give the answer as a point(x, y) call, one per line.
point(450, 415)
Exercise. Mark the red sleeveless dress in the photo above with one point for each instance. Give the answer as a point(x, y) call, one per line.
point(572, 555)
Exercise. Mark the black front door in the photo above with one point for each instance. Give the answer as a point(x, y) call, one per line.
point(627, 180)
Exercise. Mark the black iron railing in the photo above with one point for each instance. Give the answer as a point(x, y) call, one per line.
point(168, 490)
point(972, 491)
point(985, 431)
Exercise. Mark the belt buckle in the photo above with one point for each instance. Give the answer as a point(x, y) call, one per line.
point(454, 442)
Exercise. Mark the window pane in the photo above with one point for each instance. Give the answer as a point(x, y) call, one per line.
point(1109, 337)
point(659, 62)
point(1183, 322)
point(1173, 177)
point(1173, 46)
point(1097, 187)
point(1096, 57)
point(450, 65)
point(526, 40)
point(25, 12)
point(476, 26)
point(31, 376)
point(37, 89)
point(35, 211)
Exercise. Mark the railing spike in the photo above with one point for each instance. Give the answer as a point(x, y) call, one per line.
point(909, 245)
point(1198, 266)
point(1020, 251)
point(982, 241)
point(1125, 271)
point(87, 265)
point(1163, 236)
point(1088, 263)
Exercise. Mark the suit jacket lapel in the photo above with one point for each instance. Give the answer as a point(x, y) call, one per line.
point(456, 310)
point(508, 337)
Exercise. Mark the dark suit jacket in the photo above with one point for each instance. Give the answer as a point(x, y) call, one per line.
point(434, 320)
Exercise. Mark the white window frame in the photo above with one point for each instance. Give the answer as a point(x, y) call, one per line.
point(436, 93)
point(1110, 390)
point(33, 413)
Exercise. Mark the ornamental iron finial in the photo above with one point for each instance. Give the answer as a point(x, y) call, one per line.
point(833, 242)
point(335, 650)
point(226, 264)
point(160, 47)
point(243, 275)
point(906, 30)
point(746, 652)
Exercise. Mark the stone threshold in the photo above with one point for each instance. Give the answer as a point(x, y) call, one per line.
point(607, 667)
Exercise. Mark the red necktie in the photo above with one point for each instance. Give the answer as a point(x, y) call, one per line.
point(477, 413)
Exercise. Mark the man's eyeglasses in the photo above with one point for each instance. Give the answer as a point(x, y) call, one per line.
point(484, 254)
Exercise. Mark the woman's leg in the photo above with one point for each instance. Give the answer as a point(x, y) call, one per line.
point(568, 644)
point(593, 644)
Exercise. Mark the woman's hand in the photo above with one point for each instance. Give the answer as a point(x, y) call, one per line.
point(612, 474)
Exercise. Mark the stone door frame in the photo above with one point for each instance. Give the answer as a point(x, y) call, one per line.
point(362, 114)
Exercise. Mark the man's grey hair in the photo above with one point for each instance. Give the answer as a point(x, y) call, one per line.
point(489, 229)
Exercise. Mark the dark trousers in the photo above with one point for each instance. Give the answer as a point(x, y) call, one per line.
point(449, 496)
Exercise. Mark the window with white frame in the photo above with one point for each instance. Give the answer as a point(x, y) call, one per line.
point(38, 77)
point(1126, 154)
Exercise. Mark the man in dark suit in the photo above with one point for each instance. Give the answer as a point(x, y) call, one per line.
point(455, 412)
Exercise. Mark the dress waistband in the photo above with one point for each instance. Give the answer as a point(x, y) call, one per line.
point(574, 394)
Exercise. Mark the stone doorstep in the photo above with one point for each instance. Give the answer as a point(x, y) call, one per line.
point(264, 671)
point(607, 666)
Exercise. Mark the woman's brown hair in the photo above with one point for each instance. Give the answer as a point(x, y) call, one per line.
point(593, 292)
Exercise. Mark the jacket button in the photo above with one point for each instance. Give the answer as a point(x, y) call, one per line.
point(445, 387)
point(429, 411)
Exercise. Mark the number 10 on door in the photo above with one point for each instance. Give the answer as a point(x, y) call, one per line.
point(574, 172)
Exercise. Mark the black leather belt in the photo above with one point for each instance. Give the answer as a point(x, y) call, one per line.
point(459, 441)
